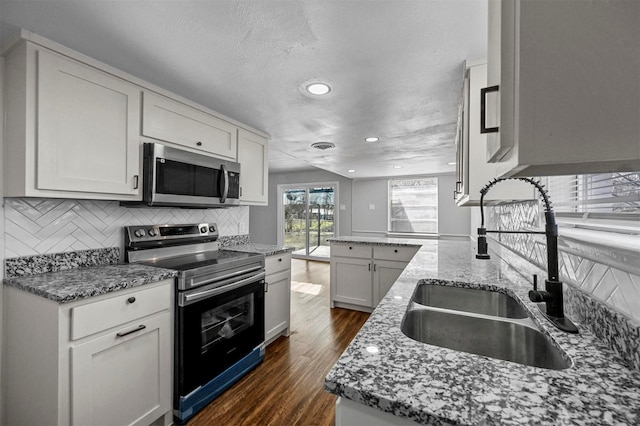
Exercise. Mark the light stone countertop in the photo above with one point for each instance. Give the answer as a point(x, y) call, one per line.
point(378, 241)
point(84, 282)
point(434, 385)
point(266, 249)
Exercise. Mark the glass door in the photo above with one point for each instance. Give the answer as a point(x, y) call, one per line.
point(309, 219)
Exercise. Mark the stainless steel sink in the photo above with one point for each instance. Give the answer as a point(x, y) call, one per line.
point(493, 337)
point(477, 301)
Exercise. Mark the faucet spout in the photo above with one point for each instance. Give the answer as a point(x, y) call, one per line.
point(552, 297)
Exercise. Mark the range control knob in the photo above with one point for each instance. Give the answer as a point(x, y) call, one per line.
point(152, 232)
point(139, 233)
point(203, 230)
point(212, 229)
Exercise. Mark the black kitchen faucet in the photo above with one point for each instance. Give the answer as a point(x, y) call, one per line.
point(553, 309)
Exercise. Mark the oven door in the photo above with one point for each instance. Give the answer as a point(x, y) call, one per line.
point(215, 328)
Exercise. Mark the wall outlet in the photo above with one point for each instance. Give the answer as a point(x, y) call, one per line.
point(372, 206)
point(343, 207)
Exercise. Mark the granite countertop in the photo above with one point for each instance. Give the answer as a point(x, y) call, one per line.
point(80, 283)
point(266, 249)
point(434, 385)
point(382, 241)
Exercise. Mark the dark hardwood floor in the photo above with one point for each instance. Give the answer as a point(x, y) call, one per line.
point(288, 387)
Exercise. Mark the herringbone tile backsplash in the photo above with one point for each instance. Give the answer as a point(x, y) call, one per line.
point(611, 276)
point(40, 225)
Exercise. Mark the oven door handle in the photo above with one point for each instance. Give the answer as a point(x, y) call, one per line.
point(194, 281)
point(192, 297)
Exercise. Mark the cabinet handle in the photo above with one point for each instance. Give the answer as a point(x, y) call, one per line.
point(126, 333)
point(131, 300)
point(266, 287)
point(369, 267)
point(350, 248)
point(374, 267)
point(199, 143)
point(458, 186)
point(455, 195)
point(483, 107)
point(395, 251)
point(135, 182)
point(280, 260)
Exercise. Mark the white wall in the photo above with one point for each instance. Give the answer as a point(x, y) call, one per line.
point(452, 221)
point(367, 194)
point(263, 221)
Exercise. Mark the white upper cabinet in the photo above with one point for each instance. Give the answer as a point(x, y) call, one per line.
point(72, 130)
point(253, 156)
point(568, 98)
point(172, 121)
point(472, 170)
point(74, 127)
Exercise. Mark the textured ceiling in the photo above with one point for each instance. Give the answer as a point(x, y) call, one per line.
point(395, 67)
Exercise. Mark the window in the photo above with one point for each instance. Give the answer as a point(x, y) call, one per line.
point(597, 193)
point(413, 206)
point(603, 207)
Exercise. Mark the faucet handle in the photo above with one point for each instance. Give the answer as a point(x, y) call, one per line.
point(538, 296)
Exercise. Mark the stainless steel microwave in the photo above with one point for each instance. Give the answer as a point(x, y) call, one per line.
point(179, 178)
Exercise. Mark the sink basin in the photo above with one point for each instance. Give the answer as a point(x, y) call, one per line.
point(477, 301)
point(497, 338)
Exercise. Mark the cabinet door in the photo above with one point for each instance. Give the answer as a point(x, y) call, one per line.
point(88, 129)
point(123, 379)
point(351, 281)
point(385, 273)
point(569, 86)
point(173, 121)
point(253, 157)
point(277, 305)
point(474, 171)
point(500, 42)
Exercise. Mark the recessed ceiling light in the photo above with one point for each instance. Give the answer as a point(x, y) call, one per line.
point(372, 139)
point(453, 163)
point(318, 88)
point(351, 171)
point(397, 167)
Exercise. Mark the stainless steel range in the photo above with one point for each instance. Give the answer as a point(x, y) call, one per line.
point(219, 308)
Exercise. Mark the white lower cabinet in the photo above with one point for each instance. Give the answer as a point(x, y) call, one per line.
point(125, 369)
point(351, 281)
point(385, 273)
point(361, 274)
point(349, 413)
point(277, 299)
point(106, 360)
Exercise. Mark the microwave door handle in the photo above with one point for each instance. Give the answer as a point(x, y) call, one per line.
point(225, 178)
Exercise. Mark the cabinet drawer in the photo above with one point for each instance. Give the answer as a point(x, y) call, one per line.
point(172, 121)
point(351, 250)
point(277, 263)
point(98, 316)
point(404, 254)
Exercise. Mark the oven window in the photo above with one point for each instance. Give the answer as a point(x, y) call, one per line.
point(226, 321)
point(174, 177)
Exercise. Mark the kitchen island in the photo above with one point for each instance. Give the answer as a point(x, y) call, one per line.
point(387, 376)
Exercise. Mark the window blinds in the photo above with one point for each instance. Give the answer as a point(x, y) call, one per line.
point(602, 193)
